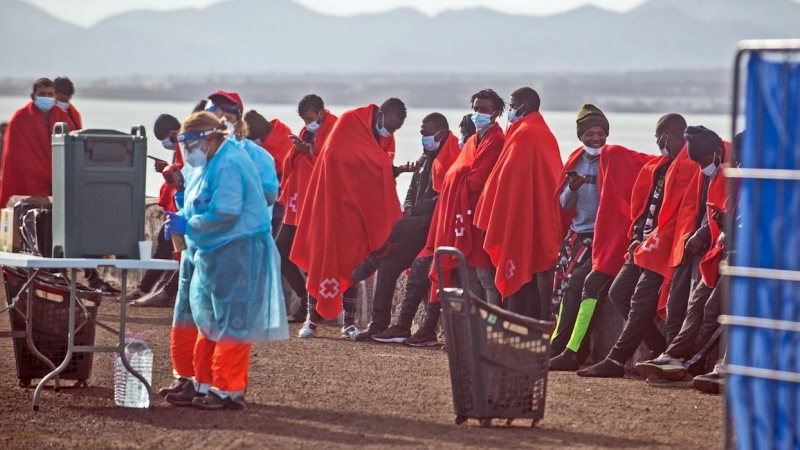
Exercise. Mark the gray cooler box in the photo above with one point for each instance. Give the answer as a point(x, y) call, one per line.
point(98, 192)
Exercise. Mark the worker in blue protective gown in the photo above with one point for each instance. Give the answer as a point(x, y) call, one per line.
point(230, 286)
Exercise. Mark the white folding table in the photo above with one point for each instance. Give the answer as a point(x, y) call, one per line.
point(36, 263)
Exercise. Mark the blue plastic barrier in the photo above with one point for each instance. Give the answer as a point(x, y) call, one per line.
point(763, 357)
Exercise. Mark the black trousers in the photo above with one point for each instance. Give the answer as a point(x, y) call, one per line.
point(634, 294)
point(397, 254)
point(684, 281)
point(417, 286)
point(574, 331)
point(533, 298)
point(700, 324)
point(278, 211)
point(162, 278)
point(289, 270)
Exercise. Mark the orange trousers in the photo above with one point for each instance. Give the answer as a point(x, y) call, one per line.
point(182, 343)
point(223, 365)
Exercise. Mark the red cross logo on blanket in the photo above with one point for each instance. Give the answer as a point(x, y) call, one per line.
point(329, 288)
point(653, 244)
point(460, 221)
point(293, 202)
point(510, 268)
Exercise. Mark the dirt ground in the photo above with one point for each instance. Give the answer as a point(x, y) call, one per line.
point(332, 393)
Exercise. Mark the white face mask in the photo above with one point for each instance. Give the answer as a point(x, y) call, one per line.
point(663, 149)
point(711, 169)
point(196, 158)
point(382, 131)
point(591, 151)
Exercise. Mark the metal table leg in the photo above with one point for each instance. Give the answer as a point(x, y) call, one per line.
point(70, 342)
point(29, 327)
point(119, 348)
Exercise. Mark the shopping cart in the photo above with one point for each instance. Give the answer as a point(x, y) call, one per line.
point(498, 360)
point(47, 325)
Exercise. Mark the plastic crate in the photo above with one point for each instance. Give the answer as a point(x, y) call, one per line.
point(50, 323)
point(499, 360)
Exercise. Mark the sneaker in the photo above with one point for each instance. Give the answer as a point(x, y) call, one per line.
point(213, 401)
point(422, 339)
point(103, 287)
point(350, 332)
point(185, 397)
point(604, 369)
point(710, 383)
point(566, 361)
point(664, 367)
point(394, 335)
point(135, 295)
point(369, 333)
point(308, 331)
point(365, 270)
point(174, 388)
point(158, 300)
point(684, 383)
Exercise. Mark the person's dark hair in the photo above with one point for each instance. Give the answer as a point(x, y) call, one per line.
point(3, 126)
point(468, 125)
point(395, 106)
point(258, 127)
point(439, 120)
point(43, 83)
point(672, 123)
point(200, 106)
point(165, 124)
point(64, 86)
point(736, 144)
point(528, 96)
point(489, 94)
point(310, 101)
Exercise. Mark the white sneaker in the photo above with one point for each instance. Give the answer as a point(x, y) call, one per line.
point(309, 330)
point(350, 332)
point(664, 367)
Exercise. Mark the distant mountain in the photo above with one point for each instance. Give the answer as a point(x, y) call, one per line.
point(279, 36)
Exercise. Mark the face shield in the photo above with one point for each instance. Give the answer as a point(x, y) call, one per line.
point(194, 146)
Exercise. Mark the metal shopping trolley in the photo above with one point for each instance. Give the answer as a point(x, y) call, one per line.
point(498, 359)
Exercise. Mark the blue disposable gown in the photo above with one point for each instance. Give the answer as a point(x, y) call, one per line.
point(265, 165)
point(230, 284)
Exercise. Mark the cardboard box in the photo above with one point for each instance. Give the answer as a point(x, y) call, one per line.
point(6, 229)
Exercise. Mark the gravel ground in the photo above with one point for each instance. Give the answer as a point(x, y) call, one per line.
point(332, 393)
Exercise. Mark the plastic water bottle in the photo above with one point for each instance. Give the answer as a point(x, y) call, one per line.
point(128, 390)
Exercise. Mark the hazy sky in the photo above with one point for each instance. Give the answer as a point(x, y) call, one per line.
point(88, 12)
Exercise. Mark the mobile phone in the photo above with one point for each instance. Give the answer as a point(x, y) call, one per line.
point(294, 138)
point(571, 174)
point(156, 159)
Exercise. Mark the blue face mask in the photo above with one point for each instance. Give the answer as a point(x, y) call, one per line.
point(514, 115)
point(482, 121)
point(168, 144)
point(44, 103)
point(63, 105)
point(429, 143)
point(461, 142)
point(313, 127)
